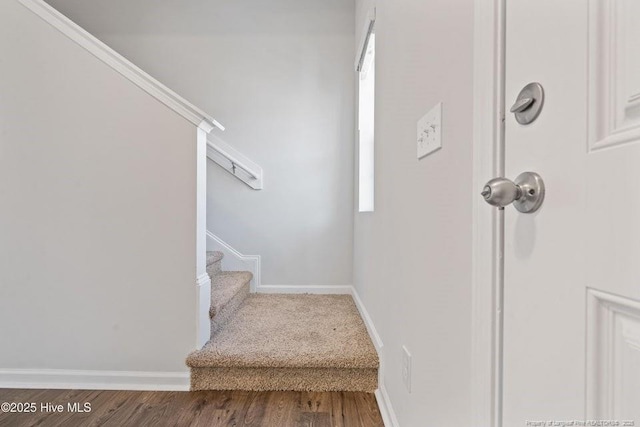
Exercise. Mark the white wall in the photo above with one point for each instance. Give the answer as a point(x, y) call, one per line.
point(98, 212)
point(278, 75)
point(413, 254)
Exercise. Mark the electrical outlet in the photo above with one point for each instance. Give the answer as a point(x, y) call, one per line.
point(430, 132)
point(406, 368)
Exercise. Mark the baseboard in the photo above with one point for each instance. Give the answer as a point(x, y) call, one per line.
point(94, 380)
point(373, 333)
point(305, 289)
point(386, 410)
point(234, 260)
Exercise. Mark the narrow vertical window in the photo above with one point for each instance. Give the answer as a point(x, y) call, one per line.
point(366, 103)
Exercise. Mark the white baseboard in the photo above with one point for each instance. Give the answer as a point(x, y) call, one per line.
point(305, 289)
point(234, 260)
point(94, 380)
point(386, 410)
point(373, 333)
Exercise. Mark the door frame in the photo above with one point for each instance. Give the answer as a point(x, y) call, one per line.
point(488, 222)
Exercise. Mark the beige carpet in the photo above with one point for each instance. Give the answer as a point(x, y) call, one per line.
point(289, 342)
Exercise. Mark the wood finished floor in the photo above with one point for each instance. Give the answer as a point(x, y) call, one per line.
point(202, 408)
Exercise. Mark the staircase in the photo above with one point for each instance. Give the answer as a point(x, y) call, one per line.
point(258, 342)
point(228, 290)
point(281, 341)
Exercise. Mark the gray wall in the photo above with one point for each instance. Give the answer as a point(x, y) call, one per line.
point(413, 254)
point(98, 211)
point(278, 75)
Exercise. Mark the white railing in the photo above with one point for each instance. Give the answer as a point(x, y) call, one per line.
point(217, 150)
point(119, 63)
point(234, 162)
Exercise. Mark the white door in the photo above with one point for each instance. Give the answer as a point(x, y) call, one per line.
point(572, 269)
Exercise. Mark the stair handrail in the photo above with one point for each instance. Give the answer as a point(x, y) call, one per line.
point(235, 163)
point(120, 64)
point(230, 159)
point(153, 87)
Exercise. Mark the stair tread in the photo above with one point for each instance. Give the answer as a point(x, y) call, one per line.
point(213, 257)
point(224, 286)
point(292, 331)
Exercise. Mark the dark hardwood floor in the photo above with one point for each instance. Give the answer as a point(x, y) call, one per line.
point(203, 408)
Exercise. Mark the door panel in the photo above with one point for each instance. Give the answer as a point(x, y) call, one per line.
point(613, 244)
point(614, 71)
point(614, 131)
point(572, 269)
point(613, 373)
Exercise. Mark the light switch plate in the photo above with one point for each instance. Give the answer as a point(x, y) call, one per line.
point(430, 132)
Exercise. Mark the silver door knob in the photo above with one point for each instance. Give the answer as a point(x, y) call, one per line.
point(526, 192)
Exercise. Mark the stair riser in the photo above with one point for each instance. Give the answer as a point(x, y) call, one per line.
point(296, 379)
point(214, 268)
point(223, 316)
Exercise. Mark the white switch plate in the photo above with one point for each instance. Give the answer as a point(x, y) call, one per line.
point(430, 132)
point(406, 368)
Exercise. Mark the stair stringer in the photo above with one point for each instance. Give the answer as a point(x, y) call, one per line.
point(234, 260)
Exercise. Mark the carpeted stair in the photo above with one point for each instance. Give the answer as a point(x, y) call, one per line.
point(228, 290)
point(281, 342)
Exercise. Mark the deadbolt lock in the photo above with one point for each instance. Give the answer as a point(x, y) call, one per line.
point(526, 192)
point(529, 103)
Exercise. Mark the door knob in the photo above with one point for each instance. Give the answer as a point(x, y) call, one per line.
point(526, 192)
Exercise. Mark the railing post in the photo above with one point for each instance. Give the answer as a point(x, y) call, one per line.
point(203, 281)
